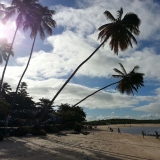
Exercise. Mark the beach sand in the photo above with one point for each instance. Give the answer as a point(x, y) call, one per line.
point(100, 144)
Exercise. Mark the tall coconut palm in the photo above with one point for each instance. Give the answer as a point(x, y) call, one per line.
point(5, 49)
point(120, 31)
point(128, 83)
point(21, 8)
point(38, 22)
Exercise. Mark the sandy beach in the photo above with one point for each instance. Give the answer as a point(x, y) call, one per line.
point(100, 144)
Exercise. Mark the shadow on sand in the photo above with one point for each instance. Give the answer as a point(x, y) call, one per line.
point(25, 148)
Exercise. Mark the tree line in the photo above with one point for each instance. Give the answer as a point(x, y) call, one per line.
point(121, 121)
point(26, 108)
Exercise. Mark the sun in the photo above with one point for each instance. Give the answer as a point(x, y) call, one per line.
point(7, 30)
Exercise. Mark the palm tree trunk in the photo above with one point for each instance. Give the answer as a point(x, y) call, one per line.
point(45, 111)
point(75, 72)
point(15, 95)
point(4, 70)
point(95, 93)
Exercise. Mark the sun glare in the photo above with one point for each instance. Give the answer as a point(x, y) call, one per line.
point(2, 31)
point(6, 31)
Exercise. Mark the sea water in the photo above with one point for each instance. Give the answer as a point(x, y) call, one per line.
point(138, 130)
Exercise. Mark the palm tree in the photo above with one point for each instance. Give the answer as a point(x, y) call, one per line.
point(5, 49)
point(129, 82)
point(22, 89)
point(6, 88)
point(23, 8)
point(120, 31)
point(39, 21)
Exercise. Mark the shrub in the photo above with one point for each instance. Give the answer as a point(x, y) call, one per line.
point(77, 127)
point(50, 129)
point(21, 131)
point(2, 130)
point(60, 127)
point(40, 132)
point(1, 136)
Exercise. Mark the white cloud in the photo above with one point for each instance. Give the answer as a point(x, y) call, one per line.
point(150, 116)
point(151, 108)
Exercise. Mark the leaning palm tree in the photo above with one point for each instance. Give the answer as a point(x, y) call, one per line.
point(128, 83)
point(120, 32)
point(21, 8)
point(5, 49)
point(38, 22)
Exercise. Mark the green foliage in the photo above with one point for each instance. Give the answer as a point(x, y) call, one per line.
point(71, 114)
point(60, 127)
point(2, 130)
point(51, 129)
point(78, 127)
point(39, 132)
point(4, 108)
point(22, 131)
point(1, 136)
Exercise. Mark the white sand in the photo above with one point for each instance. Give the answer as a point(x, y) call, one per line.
point(98, 145)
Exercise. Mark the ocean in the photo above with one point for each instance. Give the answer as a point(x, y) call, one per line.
point(138, 130)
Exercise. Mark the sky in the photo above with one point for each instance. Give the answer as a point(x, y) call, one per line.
point(72, 41)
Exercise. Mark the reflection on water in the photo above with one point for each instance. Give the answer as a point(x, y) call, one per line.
point(138, 130)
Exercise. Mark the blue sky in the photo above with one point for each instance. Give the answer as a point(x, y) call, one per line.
point(73, 40)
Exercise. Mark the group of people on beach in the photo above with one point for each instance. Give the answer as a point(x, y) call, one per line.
point(119, 132)
point(157, 136)
point(143, 133)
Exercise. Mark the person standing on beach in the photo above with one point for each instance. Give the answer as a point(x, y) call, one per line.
point(143, 134)
point(119, 132)
point(157, 136)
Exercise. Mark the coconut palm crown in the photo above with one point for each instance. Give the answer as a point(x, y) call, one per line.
point(22, 8)
point(120, 30)
point(40, 21)
point(130, 82)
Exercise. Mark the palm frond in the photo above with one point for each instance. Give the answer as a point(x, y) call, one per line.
point(119, 13)
point(117, 76)
point(123, 69)
point(131, 19)
point(109, 16)
point(135, 69)
point(118, 71)
point(8, 15)
point(104, 26)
